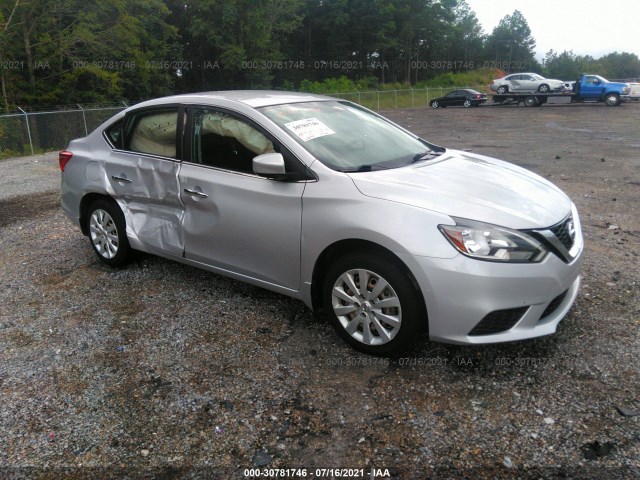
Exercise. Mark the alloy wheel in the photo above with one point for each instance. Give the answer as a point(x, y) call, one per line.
point(104, 233)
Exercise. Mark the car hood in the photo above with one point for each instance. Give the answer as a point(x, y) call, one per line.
point(467, 185)
point(617, 85)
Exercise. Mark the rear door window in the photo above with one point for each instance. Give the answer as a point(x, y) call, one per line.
point(153, 132)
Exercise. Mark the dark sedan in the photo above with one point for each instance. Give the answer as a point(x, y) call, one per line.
point(465, 97)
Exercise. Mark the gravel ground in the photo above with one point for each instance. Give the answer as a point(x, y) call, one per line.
point(163, 371)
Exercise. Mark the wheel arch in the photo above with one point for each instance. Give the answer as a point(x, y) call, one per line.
point(349, 246)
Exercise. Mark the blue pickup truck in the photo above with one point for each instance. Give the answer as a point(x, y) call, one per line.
point(588, 88)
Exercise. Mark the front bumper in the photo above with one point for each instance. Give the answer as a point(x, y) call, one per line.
point(460, 292)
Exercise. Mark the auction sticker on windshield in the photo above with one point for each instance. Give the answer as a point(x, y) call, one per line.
point(309, 128)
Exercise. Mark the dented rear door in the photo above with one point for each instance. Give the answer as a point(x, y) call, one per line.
point(143, 178)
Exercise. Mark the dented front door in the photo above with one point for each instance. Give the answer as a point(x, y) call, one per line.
point(243, 224)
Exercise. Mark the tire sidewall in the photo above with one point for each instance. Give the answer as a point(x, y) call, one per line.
point(414, 320)
point(124, 249)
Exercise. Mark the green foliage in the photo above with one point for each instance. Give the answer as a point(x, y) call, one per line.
point(511, 44)
point(88, 51)
point(569, 66)
point(90, 85)
point(480, 76)
point(334, 85)
point(70, 51)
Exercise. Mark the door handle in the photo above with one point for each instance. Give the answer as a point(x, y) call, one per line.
point(119, 178)
point(197, 193)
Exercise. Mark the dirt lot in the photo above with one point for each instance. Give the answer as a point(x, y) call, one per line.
point(160, 370)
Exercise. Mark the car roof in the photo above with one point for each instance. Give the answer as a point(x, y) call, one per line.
point(252, 98)
point(522, 73)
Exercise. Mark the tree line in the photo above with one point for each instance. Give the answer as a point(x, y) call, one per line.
point(58, 52)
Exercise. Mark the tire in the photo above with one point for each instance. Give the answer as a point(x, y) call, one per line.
point(612, 99)
point(531, 102)
point(502, 89)
point(467, 104)
point(434, 104)
point(544, 88)
point(107, 232)
point(356, 316)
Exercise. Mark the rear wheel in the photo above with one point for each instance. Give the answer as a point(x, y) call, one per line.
point(612, 99)
point(107, 232)
point(372, 303)
point(467, 103)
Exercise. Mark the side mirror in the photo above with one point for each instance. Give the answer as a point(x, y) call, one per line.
point(270, 165)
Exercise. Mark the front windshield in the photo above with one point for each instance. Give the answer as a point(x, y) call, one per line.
point(537, 77)
point(602, 79)
point(346, 137)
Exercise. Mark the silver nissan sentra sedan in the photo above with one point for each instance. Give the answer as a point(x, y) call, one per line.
point(325, 201)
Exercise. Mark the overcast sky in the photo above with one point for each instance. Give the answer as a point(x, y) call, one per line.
point(588, 27)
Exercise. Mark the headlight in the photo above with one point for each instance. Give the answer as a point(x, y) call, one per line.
point(490, 242)
point(626, 90)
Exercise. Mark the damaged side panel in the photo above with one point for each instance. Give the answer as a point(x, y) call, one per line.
point(146, 188)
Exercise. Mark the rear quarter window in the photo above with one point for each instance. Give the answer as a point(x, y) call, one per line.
point(114, 134)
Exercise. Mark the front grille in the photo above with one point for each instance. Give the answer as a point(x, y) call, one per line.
point(555, 303)
point(498, 321)
point(565, 232)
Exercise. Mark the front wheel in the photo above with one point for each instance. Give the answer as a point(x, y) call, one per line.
point(435, 104)
point(612, 100)
point(372, 303)
point(544, 88)
point(502, 90)
point(107, 232)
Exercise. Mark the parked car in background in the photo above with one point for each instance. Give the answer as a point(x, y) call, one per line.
point(325, 201)
point(526, 82)
point(464, 97)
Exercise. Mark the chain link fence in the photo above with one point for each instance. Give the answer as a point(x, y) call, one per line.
point(29, 133)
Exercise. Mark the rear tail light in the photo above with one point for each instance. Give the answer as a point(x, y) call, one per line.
point(63, 159)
